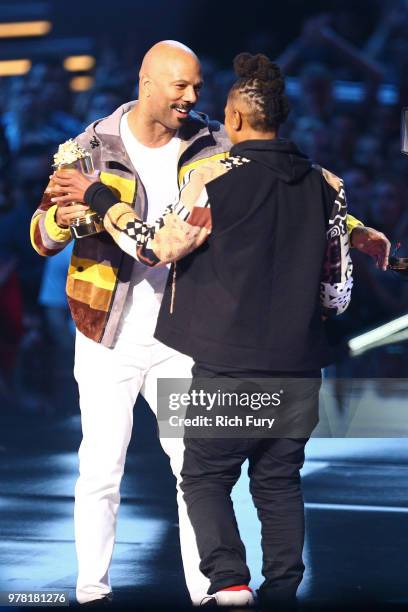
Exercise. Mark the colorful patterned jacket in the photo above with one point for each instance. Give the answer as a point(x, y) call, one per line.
point(99, 273)
point(185, 226)
point(275, 228)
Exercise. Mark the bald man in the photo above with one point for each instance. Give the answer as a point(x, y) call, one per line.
point(142, 152)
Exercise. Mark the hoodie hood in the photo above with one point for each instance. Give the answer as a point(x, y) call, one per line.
point(279, 155)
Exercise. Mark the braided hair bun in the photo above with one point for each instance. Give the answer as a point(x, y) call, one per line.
point(257, 66)
point(261, 83)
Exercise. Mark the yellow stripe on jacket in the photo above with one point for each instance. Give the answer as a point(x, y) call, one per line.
point(195, 164)
point(100, 275)
point(352, 223)
point(124, 188)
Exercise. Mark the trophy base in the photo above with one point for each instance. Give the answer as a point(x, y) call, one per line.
point(88, 225)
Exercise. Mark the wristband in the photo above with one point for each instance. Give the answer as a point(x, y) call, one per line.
point(100, 198)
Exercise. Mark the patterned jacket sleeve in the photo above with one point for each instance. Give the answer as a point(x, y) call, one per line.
point(337, 279)
point(182, 228)
point(46, 236)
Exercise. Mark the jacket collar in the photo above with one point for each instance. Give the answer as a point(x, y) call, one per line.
point(109, 127)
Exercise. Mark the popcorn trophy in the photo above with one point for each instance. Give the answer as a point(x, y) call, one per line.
point(71, 155)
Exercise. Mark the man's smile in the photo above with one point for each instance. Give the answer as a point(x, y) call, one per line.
point(181, 111)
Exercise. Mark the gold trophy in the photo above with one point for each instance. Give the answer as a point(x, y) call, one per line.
point(71, 155)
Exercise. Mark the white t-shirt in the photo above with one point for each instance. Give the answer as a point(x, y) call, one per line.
point(157, 168)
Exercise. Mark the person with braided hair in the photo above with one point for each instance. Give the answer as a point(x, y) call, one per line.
point(279, 232)
point(261, 240)
point(262, 86)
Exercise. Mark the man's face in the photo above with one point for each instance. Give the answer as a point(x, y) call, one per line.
point(173, 92)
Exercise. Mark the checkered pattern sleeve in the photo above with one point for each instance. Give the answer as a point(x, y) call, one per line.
point(337, 280)
point(142, 240)
point(182, 228)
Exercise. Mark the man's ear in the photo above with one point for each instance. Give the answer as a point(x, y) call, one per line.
point(145, 83)
point(236, 122)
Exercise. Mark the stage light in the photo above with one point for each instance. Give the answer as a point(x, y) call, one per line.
point(81, 83)
point(24, 28)
point(76, 63)
point(14, 67)
point(370, 339)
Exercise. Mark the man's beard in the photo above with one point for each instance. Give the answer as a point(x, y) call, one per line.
point(184, 107)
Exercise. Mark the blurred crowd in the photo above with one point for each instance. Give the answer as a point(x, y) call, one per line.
point(355, 136)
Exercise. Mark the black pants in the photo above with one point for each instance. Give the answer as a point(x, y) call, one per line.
point(211, 468)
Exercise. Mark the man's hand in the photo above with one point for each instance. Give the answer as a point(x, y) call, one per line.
point(373, 243)
point(65, 215)
point(72, 184)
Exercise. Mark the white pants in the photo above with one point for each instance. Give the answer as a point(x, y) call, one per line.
point(109, 382)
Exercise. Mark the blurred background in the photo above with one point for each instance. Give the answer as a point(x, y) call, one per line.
point(65, 64)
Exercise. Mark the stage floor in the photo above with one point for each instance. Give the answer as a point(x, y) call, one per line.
point(356, 493)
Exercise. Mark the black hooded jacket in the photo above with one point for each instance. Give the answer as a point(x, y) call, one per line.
point(249, 297)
